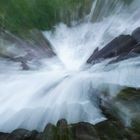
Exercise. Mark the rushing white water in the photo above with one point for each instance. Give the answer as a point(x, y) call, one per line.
point(66, 87)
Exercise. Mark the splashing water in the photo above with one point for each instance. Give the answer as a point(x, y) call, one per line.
point(66, 87)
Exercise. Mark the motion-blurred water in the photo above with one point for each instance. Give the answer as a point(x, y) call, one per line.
point(65, 86)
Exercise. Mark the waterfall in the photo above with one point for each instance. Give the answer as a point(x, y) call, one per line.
point(92, 10)
point(65, 86)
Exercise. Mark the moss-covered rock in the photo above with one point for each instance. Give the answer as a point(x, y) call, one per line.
point(111, 130)
point(64, 131)
point(50, 133)
point(106, 130)
point(126, 107)
point(136, 124)
point(84, 131)
point(129, 94)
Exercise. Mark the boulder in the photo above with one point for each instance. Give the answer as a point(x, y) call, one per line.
point(107, 130)
point(136, 49)
point(129, 94)
point(135, 123)
point(124, 57)
point(85, 131)
point(64, 131)
point(22, 134)
point(136, 34)
point(118, 46)
point(50, 133)
point(111, 130)
point(62, 123)
point(126, 107)
point(135, 52)
point(4, 136)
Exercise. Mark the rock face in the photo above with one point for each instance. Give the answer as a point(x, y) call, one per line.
point(118, 46)
point(62, 131)
point(122, 47)
point(85, 131)
point(40, 43)
point(106, 130)
point(22, 50)
point(136, 34)
point(136, 50)
point(111, 130)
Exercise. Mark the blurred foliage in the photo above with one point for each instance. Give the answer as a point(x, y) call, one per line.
point(21, 15)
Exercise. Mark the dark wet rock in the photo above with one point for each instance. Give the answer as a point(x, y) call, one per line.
point(50, 132)
point(136, 50)
point(24, 63)
point(64, 131)
point(132, 135)
point(114, 128)
point(85, 131)
point(95, 52)
point(4, 136)
point(39, 136)
point(62, 123)
point(23, 50)
point(129, 94)
point(124, 56)
point(111, 130)
point(121, 48)
point(118, 46)
point(126, 107)
point(107, 130)
point(22, 134)
point(136, 124)
point(136, 34)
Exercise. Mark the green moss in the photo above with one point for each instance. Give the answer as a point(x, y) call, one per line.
point(111, 130)
point(129, 94)
point(50, 133)
point(136, 124)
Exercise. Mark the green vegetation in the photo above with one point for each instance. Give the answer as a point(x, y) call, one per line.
point(129, 94)
point(21, 15)
point(136, 124)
